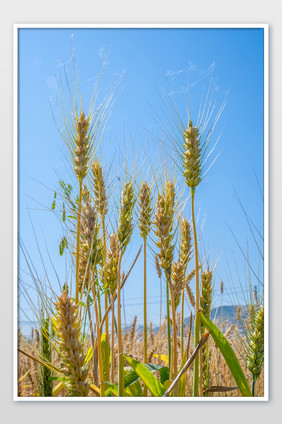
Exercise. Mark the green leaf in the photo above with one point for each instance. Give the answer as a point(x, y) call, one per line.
point(113, 388)
point(228, 354)
point(131, 376)
point(134, 390)
point(148, 378)
point(164, 374)
point(54, 204)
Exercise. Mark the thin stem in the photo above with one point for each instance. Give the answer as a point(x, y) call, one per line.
point(113, 341)
point(201, 373)
point(91, 332)
point(253, 385)
point(120, 356)
point(78, 244)
point(174, 337)
point(99, 307)
point(182, 325)
point(102, 385)
point(145, 310)
point(106, 304)
point(197, 305)
point(168, 320)
point(95, 363)
point(161, 301)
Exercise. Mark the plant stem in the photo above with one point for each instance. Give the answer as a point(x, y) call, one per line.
point(145, 309)
point(253, 385)
point(78, 244)
point(182, 325)
point(99, 307)
point(197, 305)
point(161, 301)
point(174, 338)
point(201, 373)
point(106, 304)
point(120, 356)
point(91, 333)
point(102, 385)
point(167, 273)
point(113, 340)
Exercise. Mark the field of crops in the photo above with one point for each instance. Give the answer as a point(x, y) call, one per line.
point(79, 347)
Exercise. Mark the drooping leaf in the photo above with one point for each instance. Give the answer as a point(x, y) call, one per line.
point(228, 354)
point(148, 378)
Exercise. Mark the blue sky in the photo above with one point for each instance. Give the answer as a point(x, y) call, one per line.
point(147, 60)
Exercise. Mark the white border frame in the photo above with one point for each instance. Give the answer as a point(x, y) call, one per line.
point(265, 27)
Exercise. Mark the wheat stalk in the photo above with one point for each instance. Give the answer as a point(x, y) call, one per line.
point(101, 203)
point(192, 170)
point(125, 230)
point(164, 218)
point(145, 212)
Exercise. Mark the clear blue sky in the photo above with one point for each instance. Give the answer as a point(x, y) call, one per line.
point(147, 58)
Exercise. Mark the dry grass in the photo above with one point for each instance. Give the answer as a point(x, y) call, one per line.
point(133, 345)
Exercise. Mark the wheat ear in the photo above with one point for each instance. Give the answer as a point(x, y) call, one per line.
point(68, 332)
point(205, 302)
point(255, 357)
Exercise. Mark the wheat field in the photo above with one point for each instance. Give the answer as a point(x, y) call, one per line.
point(79, 347)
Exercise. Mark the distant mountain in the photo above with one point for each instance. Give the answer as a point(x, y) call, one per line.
point(227, 315)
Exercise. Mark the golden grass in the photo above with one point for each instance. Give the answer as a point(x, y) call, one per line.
point(157, 346)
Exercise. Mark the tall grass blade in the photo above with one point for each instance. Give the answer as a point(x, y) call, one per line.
point(228, 354)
